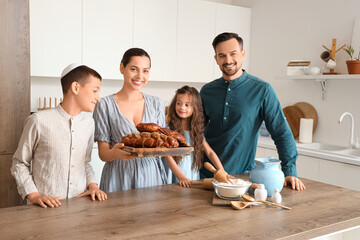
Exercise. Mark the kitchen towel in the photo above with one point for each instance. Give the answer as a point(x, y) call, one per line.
point(306, 130)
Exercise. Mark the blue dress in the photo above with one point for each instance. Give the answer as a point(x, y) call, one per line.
point(110, 126)
point(185, 165)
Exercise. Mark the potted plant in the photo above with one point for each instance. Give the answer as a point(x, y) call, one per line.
point(353, 64)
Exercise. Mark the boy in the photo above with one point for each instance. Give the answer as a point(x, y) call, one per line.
point(58, 142)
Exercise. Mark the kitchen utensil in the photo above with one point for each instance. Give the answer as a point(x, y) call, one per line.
point(231, 191)
point(308, 111)
point(142, 152)
point(293, 115)
point(206, 183)
point(251, 199)
point(312, 70)
point(238, 205)
point(220, 175)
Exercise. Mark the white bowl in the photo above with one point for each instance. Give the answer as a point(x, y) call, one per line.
point(312, 70)
point(231, 191)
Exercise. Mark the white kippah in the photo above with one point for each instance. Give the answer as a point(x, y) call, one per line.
point(70, 68)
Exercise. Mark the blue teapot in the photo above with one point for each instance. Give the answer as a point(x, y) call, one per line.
point(268, 172)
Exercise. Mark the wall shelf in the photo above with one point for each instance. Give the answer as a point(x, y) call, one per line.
point(322, 79)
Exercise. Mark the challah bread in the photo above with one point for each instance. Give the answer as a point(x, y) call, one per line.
point(147, 127)
point(149, 140)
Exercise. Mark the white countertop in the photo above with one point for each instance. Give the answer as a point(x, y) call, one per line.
point(267, 142)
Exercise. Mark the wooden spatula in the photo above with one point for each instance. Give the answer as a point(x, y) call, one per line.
point(220, 175)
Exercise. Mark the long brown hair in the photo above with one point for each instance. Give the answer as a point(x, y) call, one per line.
point(196, 124)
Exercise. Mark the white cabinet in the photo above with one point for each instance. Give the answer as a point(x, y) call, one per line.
point(55, 35)
point(155, 31)
point(234, 19)
point(308, 167)
point(107, 34)
point(340, 174)
point(196, 30)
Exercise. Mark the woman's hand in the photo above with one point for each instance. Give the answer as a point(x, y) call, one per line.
point(94, 191)
point(121, 154)
point(108, 154)
point(184, 182)
point(295, 183)
point(44, 201)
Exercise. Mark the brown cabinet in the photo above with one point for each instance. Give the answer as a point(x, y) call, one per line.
point(14, 89)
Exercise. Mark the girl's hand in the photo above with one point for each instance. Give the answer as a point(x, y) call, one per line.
point(184, 182)
point(44, 201)
point(94, 191)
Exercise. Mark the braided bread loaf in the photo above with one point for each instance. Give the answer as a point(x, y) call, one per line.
point(149, 140)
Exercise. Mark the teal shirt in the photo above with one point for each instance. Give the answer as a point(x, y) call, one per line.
point(234, 112)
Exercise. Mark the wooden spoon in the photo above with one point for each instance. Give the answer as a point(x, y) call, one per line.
point(220, 175)
point(251, 199)
point(241, 205)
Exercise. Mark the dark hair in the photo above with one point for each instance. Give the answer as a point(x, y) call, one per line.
point(196, 124)
point(133, 52)
point(80, 75)
point(225, 36)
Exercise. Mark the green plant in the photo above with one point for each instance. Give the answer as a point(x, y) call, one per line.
point(350, 50)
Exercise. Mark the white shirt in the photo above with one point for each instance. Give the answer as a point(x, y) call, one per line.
point(58, 146)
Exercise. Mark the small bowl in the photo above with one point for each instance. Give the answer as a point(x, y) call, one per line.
point(312, 70)
point(231, 192)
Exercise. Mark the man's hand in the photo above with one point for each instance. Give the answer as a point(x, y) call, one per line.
point(94, 191)
point(295, 183)
point(44, 201)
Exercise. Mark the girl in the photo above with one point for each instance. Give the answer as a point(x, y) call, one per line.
point(116, 116)
point(186, 117)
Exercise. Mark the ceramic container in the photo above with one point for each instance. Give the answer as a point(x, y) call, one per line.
point(231, 191)
point(276, 197)
point(267, 171)
point(260, 193)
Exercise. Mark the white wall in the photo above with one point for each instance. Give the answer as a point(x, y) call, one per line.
point(283, 30)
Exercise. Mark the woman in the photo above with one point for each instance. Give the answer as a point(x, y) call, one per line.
point(116, 116)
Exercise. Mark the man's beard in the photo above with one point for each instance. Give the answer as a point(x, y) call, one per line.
point(233, 72)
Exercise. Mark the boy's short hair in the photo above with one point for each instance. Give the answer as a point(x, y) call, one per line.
point(225, 36)
point(79, 74)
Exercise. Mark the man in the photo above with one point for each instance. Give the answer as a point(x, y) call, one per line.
point(235, 105)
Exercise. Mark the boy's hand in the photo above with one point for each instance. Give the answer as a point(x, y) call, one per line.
point(118, 153)
point(44, 201)
point(94, 191)
point(184, 182)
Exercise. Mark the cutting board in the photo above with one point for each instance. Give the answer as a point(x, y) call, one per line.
point(308, 111)
point(218, 201)
point(293, 115)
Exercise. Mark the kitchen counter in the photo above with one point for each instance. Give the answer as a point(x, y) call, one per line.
point(173, 212)
point(267, 142)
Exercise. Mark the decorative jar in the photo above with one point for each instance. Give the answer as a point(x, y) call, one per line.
point(267, 171)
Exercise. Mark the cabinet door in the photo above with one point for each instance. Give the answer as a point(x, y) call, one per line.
point(196, 30)
point(234, 19)
point(340, 174)
point(155, 31)
point(308, 167)
point(107, 34)
point(55, 35)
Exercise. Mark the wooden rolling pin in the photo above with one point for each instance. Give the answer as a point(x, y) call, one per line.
point(207, 184)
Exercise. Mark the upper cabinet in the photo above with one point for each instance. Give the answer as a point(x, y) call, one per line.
point(155, 32)
point(55, 35)
point(196, 30)
point(177, 34)
point(107, 34)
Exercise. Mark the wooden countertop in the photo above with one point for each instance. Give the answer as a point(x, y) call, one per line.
point(173, 212)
